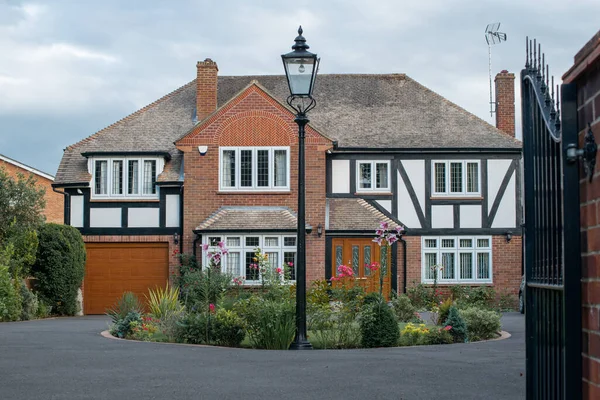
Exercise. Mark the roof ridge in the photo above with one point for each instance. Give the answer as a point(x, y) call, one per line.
point(132, 115)
point(461, 109)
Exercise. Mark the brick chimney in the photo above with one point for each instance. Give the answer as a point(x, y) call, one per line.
point(206, 88)
point(505, 102)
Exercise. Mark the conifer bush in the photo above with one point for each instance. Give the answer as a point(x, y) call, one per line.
point(458, 326)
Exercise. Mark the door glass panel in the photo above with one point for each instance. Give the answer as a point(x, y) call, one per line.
point(355, 260)
point(383, 260)
point(338, 258)
point(367, 259)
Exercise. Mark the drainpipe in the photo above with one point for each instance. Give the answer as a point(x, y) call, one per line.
point(404, 266)
point(67, 206)
point(198, 237)
point(181, 221)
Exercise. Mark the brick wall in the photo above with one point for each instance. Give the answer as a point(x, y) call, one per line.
point(254, 119)
point(505, 102)
point(54, 210)
point(586, 74)
point(506, 265)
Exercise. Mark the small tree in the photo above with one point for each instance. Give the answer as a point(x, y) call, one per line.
point(458, 327)
point(60, 266)
point(21, 213)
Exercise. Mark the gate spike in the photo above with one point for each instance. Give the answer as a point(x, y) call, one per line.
point(534, 54)
point(530, 54)
point(552, 109)
point(526, 52)
point(539, 75)
point(543, 78)
point(557, 122)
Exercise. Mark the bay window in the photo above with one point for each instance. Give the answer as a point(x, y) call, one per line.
point(125, 177)
point(455, 178)
point(280, 249)
point(254, 168)
point(458, 259)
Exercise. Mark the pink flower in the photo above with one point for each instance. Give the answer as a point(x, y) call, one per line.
point(279, 270)
point(335, 278)
point(378, 240)
point(384, 225)
point(290, 264)
point(211, 307)
point(399, 228)
point(379, 232)
point(447, 327)
point(205, 247)
point(392, 238)
point(221, 245)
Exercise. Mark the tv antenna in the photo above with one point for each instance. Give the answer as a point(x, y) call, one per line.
point(492, 37)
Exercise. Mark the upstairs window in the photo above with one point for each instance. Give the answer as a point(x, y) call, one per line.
point(125, 177)
point(456, 178)
point(373, 176)
point(254, 168)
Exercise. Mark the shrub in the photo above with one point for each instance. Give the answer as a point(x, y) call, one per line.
point(481, 324)
point(126, 304)
point(271, 324)
point(228, 329)
point(194, 329)
point(405, 312)
point(164, 303)
point(459, 327)
point(444, 309)
point(436, 336)
point(334, 327)
point(43, 310)
point(201, 288)
point(60, 266)
point(419, 295)
point(378, 325)
point(30, 303)
point(483, 297)
point(147, 330)
point(10, 302)
point(412, 333)
point(507, 302)
point(318, 293)
point(123, 327)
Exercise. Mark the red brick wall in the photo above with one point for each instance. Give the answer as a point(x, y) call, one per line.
point(254, 119)
point(586, 74)
point(54, 210)
point(505, 102)
point(506, 264)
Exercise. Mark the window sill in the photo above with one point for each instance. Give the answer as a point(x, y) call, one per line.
point(373, 193)
point(456, 198)
point(249, 192)
point(125, 200)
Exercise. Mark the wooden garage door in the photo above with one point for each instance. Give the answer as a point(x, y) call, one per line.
point(114, 268)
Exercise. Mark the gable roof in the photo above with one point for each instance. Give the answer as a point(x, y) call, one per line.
point(26, 167)
point(389, 111)
point(354, 215)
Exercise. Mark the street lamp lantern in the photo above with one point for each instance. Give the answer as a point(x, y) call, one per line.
point(301, 68)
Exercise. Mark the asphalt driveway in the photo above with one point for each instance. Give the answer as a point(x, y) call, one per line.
point(68, 359)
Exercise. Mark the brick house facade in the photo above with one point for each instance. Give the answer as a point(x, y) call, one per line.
point(54, 210)
point(216, 160)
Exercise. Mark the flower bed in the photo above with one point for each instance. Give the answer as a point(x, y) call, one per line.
point(209, 306)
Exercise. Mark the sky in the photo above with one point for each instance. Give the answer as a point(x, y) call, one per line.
point(68, 68)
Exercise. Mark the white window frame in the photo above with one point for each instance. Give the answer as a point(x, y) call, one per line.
point(373, 176)
point(242, 249)
point(254, 188)
point(160, 164)
point(474, 250)
point(448, 192)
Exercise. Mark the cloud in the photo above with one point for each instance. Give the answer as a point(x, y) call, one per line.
point(79, 66)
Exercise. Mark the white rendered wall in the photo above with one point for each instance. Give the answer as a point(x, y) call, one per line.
point(470, 216)
point(442, 216)
point(77, 211)
point(496, 172)
point(386, 204)
point(143, 218)
point(105, 217)
point(406, 211)
point(340, 176)
point(415, 169)
point(172, 211)
point(506, 216)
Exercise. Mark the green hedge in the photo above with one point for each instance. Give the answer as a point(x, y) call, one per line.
point(60, 267)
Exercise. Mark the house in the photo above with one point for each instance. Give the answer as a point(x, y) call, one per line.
point(54, 210)
point(215, 160)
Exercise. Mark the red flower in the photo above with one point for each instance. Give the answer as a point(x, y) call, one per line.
point(447, 327)
point(211, 307)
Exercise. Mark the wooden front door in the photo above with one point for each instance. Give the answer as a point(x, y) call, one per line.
point(356, 253)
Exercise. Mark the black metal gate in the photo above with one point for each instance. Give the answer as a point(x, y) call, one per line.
point(552, 244)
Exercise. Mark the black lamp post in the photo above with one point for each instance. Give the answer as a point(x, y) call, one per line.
point(301, 70)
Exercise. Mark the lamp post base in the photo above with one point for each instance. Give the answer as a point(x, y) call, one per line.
point(301, 345)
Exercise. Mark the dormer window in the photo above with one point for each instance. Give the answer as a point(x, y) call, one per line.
point(125, 177)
